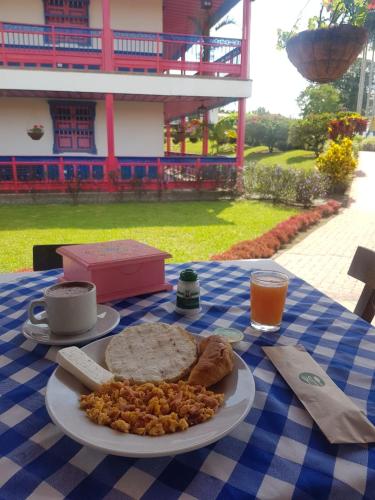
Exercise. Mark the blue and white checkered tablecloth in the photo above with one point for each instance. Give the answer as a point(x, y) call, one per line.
point(276, 453)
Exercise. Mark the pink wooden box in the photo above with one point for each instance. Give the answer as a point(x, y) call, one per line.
point(119, 269)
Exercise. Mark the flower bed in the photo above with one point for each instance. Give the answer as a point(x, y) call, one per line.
point(269, 243)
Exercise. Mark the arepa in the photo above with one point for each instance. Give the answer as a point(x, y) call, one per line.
point(151, 352)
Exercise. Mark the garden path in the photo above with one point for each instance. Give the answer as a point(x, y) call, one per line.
point(324, 256)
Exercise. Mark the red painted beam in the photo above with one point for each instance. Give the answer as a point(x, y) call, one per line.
point(205, 134)
point(168, 134)
point(107, 37)
point(112, 163)
point(241, 123)
point(183, 142)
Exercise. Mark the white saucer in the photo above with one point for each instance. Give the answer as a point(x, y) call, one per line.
point(108, 319)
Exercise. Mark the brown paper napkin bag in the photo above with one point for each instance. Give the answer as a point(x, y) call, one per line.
point(340, 420)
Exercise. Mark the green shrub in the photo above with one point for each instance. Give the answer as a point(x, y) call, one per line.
point(367, 144)
point(338, 164)
point(281, 184)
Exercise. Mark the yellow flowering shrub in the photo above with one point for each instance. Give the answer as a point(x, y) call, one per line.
point(338, 162)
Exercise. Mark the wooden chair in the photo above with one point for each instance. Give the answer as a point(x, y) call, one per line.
point(363, 269)
point(45, 257)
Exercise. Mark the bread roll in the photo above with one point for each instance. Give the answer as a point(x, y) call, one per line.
point(214, 363)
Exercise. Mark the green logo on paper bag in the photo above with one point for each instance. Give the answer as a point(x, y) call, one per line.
point(311, 379)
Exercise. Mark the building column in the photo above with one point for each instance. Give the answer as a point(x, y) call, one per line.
point(241, 123)
point(107, 41)
point(168, 134)
point(112, 162)
point(205, 134)
point(183, 142)
point(246, 15)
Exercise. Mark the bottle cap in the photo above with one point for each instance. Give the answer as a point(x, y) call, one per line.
point(188, 275)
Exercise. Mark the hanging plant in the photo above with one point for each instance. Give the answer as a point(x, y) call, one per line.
point(231, 136)
point(333, 41)
point(36, 132)
point(194, 129)
point(178, 133)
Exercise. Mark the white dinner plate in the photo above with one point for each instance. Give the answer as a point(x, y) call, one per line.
point(62, 401)
point(108, 319)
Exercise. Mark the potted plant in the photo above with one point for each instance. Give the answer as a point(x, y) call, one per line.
point(333, 41)
point(178, 133)
point(36, 132)
point(194, 130)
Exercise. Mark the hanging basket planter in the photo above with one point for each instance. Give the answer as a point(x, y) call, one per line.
point(36, 133)
point(35, 136)
point(325, 54)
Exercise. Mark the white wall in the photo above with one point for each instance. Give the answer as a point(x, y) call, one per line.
point(76, 81)
point(132, 15)
point(16, 116)
point(138, 128)
point(22, 11)
point(19, 114)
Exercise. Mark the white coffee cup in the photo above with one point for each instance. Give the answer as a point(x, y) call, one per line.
point(70, 308)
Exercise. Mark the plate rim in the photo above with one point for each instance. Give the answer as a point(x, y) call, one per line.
point(143, 454)
point(72, 339)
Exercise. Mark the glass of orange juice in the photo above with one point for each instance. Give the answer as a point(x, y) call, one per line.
point(268, 291)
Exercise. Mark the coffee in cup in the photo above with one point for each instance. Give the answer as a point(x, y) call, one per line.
point(70, 308)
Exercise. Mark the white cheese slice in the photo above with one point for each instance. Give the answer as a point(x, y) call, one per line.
point(82, 367)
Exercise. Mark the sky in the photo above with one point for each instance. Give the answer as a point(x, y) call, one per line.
point(276, 82)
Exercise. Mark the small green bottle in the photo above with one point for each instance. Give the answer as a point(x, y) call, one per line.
point(188, 293)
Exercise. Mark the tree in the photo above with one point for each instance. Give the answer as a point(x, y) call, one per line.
point(267, 129)
point(348, 86)
point(316, 99)
point(261, 111)
point(203, 27)
point(310, 133)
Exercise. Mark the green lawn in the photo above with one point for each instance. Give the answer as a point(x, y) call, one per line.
point(195, 148)
point(189, 231)
point(295, 158)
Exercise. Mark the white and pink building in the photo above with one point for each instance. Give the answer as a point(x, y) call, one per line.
point(105, 79)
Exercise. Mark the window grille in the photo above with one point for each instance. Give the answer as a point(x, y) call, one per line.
point(73, 126)
point(67, 12)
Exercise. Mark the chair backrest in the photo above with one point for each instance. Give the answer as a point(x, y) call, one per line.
point(363, 269)
point(45, 257)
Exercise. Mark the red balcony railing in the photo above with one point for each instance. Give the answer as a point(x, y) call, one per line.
point(23, 45)
point(69, 175)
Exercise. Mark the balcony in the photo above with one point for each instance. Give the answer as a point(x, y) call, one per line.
point(41, 46)
point(64, 174)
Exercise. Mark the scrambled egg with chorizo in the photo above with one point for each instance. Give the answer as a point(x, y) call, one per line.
point(150, 409)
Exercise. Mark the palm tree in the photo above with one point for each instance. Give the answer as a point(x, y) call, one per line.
point(203, 27)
